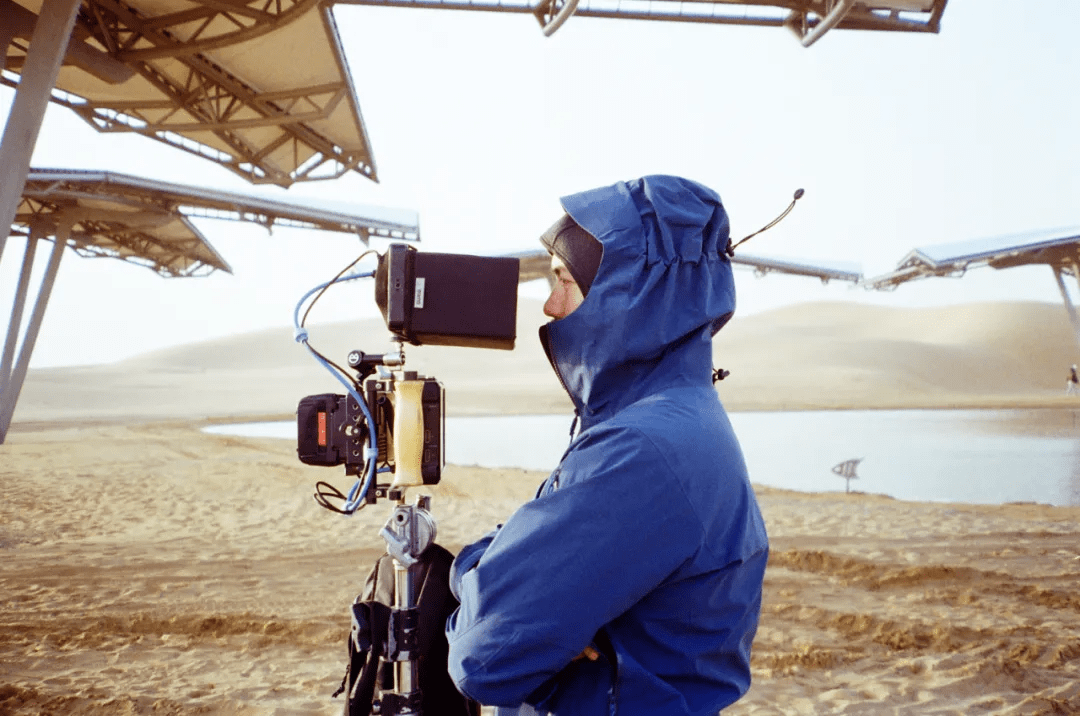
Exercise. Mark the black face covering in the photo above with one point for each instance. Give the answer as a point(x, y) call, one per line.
point(577, 248)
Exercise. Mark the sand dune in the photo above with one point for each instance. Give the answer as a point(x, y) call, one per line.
point(826, 355)
point(842, 355)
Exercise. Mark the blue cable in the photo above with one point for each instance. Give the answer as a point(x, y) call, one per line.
point(357, 493)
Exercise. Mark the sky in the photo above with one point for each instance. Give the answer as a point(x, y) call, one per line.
point(480, 123)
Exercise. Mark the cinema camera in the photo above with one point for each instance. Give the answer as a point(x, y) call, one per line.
point(393, 423)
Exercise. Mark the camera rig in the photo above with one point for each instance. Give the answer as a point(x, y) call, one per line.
point(391, 421)
point(404, 436)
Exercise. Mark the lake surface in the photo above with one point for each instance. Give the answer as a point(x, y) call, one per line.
point(976, 456)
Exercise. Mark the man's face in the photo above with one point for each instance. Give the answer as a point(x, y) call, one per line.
point(566, 296)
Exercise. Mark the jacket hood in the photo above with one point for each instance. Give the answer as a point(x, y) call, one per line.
point(663, 289)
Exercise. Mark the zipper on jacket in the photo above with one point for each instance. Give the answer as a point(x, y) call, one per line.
point(555, 367)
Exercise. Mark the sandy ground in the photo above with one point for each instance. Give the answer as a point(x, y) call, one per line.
point(155, 569)
point(149, 568)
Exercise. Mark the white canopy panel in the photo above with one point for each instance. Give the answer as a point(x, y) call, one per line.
point(1058, 248)
point(826, 271)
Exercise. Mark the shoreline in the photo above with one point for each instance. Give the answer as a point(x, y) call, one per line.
point(1063, 404)
point(889, 479)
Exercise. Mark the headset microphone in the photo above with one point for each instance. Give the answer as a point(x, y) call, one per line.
point(798, 195)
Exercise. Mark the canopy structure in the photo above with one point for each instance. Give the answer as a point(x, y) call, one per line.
point(537, 264)
point(1057, 248)
point(808, 19)
point(259, 87)
point(763, 265)
point(120, 203)
point(145, 222)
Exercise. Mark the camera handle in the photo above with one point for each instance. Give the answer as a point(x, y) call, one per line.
point(409, 531)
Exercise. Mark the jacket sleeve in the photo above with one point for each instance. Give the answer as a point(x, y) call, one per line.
point(567, 563)
point(467, 559)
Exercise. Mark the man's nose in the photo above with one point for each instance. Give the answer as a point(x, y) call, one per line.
point(552, 307)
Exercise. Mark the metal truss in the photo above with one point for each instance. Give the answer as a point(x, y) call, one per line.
point(209, 25)
point(61, 187)
point(808, 19)
point(1058, 249)
point(125, 235)
point(137, 234)
point(263, 136)
point(1061, 253)
point(224, 104)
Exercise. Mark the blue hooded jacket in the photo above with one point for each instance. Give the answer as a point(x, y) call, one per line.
point(646, 541)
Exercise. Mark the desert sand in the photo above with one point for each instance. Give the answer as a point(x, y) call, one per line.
point(151, 568)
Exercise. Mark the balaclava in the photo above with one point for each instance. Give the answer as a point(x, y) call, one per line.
point(577, 248)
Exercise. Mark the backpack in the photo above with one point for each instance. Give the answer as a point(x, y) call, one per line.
point(368, 674)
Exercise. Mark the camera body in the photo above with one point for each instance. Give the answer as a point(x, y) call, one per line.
point(409, 430)
point(425, 298)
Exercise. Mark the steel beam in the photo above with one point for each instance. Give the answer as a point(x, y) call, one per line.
point(79, 53)
point(553, 13)
point(835, 15)
point(1074, 318)
point(17, 306)
point(250, 20)
point(43, 59)
point(767, 13)
point(13, 382)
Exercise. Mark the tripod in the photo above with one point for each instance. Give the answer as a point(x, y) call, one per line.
point(409, 531)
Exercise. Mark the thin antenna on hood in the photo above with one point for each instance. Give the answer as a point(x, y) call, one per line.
point(798, 195)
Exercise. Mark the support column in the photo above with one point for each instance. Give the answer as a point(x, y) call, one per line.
point(13, 384)
point(1074, 318)
point(43, 59)
point(12, 340)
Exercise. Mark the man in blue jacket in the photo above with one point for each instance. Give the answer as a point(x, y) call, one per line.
point(632, 583)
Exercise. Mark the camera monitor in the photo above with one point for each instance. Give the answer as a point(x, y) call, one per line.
point(448, 299)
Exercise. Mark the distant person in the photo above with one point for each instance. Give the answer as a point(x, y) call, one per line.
point(632, 583)
point(1072, 385)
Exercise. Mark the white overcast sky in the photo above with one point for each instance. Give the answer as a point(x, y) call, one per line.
point(480, 123)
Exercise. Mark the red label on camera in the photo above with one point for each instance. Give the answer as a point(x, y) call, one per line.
point(322, 429)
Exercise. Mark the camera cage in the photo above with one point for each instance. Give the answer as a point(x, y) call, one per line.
point(392, 423)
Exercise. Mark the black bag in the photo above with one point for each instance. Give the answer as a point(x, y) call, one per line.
point(368, 674)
